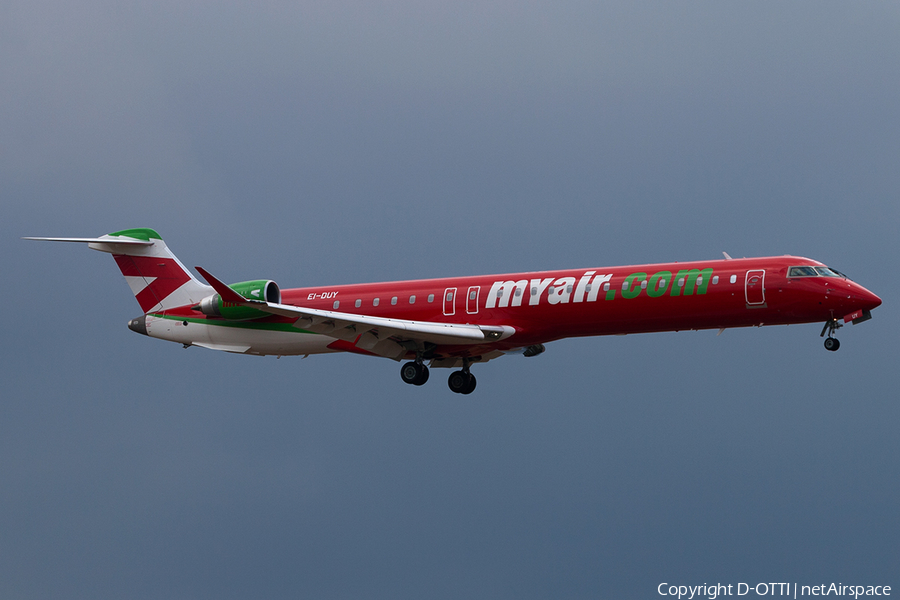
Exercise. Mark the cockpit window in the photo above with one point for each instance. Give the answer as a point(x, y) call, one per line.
point(802, 272)
point(814, 272)
point(827, 272)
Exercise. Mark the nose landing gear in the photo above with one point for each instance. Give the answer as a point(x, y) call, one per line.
point(831, 342)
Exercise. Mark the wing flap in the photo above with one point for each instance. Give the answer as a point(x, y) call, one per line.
point(351, 326)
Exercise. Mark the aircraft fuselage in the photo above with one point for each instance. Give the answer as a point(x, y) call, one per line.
point(458, 321)
point(550, 305)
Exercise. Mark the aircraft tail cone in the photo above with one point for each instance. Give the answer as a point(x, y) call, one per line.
point(138, 325)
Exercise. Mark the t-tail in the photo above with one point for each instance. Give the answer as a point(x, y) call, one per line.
point(156, 277)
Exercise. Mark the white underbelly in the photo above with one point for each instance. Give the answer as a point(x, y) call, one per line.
point(236, 338)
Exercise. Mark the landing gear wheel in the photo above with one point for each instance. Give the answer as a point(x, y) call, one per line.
point(457, 381)
point(831, 343)
point(461, 382)
point(409, 373)
point(414, 373)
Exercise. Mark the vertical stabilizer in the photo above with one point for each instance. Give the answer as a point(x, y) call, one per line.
point(156, 277)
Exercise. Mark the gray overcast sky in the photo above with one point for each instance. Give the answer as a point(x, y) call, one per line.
point(317, 143)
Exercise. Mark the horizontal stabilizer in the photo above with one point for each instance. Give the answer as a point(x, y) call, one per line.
point(103, 240)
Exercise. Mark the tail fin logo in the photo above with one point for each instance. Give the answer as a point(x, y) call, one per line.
point(152, 279)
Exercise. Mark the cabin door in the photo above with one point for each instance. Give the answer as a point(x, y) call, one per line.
point(472, 299)
point(754, 287)
point(450, 301)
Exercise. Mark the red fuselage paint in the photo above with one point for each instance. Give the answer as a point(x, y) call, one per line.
point(551, 305)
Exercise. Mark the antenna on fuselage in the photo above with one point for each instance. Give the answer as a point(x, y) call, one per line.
point(726, 255)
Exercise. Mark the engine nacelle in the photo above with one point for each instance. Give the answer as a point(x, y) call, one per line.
point(261, 289)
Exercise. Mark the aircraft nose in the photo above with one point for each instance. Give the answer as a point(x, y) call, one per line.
point(875, 300)
point(867, 299)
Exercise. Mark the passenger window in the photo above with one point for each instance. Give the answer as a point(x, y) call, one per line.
point(358, 303)
point(606, 287)
point(337, 303)
point(412, 299)
point(681, 282)
point(430, 297)
point(472, 295)
point(733, 278)
point(375, 302)
point(449, 296)
point(715, 279)
point(644, 284)
point(394, 300)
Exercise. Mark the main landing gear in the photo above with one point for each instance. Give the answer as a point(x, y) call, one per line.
point(460, 382)
point(831, 342)
point(414, 373)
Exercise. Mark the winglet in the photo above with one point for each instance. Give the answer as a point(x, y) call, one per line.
point(227, 294)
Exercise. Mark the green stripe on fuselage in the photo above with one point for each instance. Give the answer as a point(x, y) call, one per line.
point(258, 326)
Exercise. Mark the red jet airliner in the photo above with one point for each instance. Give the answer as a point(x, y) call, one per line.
point(456, 322)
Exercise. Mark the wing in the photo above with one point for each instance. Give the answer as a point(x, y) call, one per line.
point(392, 338)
